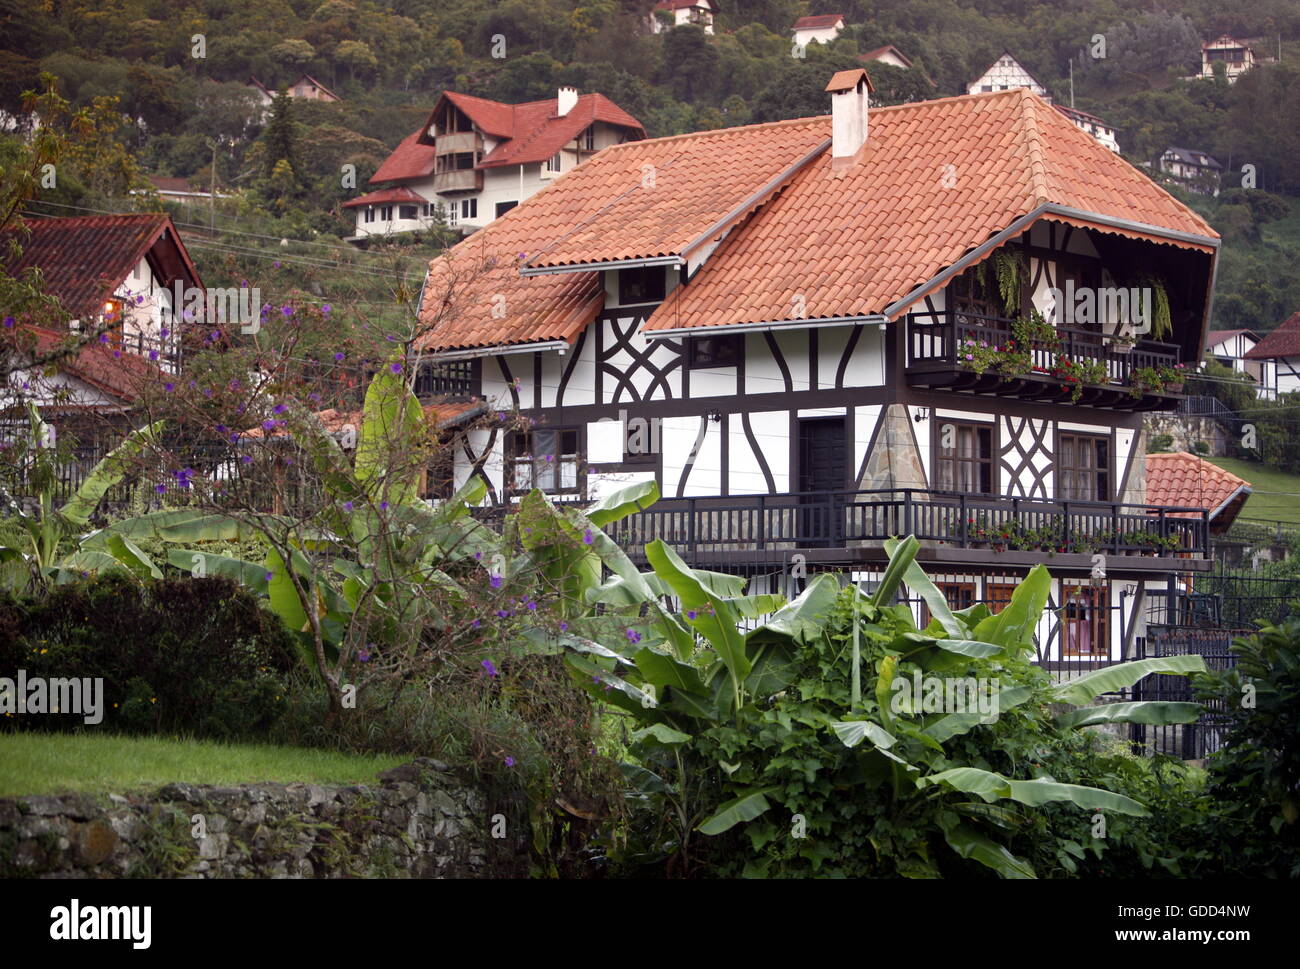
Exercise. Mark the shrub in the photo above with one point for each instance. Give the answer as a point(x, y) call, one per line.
point(191, 656)
point(1254, 780)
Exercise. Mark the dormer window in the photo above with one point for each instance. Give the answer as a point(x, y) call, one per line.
point(589, 139)
point(553, 163)
point(642, 284)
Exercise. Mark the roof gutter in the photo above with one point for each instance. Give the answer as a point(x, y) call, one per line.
point(1241, 490)
point(581, 267)
point(872, 319)
point(542, 346)
point(1147, 228)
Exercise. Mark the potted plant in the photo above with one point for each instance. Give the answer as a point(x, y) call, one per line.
point(1079, 373)
point(1121, 343)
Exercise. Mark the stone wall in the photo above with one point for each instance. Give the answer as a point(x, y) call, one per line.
point(420, 822)
point(1187, 430)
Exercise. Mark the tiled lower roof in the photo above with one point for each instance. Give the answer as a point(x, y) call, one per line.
point(1185, 480)
point(1282, 342)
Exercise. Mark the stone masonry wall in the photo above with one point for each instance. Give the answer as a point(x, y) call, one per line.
point(420, 822)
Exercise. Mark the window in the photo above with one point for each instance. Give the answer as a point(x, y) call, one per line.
point(453, 213)
point(967, 465)
point(716, 351)
point(959, 595)
point(986, 88)
point(427, 210)
point(1085, 621)
point(370, 214)
point(644, 284)
point(553, 163)
point(504, 207)
point(589, 139)
point(386, 213)
point(997, 595)
point(973, 296)
point(469, 208)
point(545, 459)
point(641, 440)
point(408, 212)
point(1083, 468)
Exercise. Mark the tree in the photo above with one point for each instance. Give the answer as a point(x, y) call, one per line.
point(690, 63)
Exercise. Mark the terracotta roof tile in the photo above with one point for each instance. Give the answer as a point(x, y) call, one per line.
point(83, 259)
point(822, 20)
point(850, 241)
point(119, 374)
point(1184, 480)
point(398, 194)
point(1282, 342)
point(409, 159)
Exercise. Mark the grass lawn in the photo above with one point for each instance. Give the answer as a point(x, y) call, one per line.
point(38, 763)
point(1273, 497)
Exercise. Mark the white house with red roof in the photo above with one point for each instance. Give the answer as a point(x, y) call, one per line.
point(474, 159)
point(1231, 348)
point(1280, 351)
point(1006, 74)
point(668, 14)
point(821, 28)
point(1235, 56)
point(796, 330)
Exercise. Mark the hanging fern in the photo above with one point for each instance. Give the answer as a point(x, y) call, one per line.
point(1162, 323)
point(1003, 271)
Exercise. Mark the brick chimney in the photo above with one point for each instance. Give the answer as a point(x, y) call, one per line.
point(849, 91)
point(566, 101)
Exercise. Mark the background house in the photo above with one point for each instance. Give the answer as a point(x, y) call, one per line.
point(1199, 170)
point(1279, 353)
point(822, 28)
point(476, 159)
point(674, 13)
point(1237, 58)
point(1006, 74)
point(781, 341)
point(1230, 348)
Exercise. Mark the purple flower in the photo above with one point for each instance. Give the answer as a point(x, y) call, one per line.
point(287, 310)
point(532, 607)
point(503, 614)
point(325, 309)
point(169, 387)
point(160, 488)
point(633, 636)
point(9, 322)
point(103, 338)
point(247, 459)
point(395, 368)
point(139, 300)
point(564, 627)
point(270, 576)
point(476, 623)
point(478, 555)
point(497, 581)
point(588, 538)
point(276, 264)
point(383, 506)
point(347, 506)
point(279, 408)
point(691, 614)
point(510, 762)
point(153, 354)
point(268, 425)
point(364, 656)
point(489, 667)
point(338, 356)
point(164, 332)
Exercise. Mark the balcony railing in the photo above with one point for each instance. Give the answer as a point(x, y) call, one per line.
point(935, 342)
point(457, 142)
point(847, 519)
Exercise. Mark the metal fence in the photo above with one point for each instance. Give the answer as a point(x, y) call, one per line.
point(1189, 741)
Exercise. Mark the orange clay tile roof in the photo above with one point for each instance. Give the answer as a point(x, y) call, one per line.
point(823, 20)
point(640, 199)
point(83, 259)
point(533, 132)
point(1282, 342)
point(1184, 480)
point(115, 372)
point(409, 159)
point(436, 415)
point(398, 193)
point(850, 241)
point(855, 241)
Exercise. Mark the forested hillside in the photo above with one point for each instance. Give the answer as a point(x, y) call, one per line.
point(165, 85)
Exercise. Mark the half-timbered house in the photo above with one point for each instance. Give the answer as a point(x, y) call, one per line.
point(805, 332)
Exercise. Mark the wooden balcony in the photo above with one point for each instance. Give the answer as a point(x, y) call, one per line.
point(956, 529)
point(457, 142)
point(935, 359)
point(458, 180)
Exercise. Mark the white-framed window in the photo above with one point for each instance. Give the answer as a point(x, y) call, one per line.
point(469, 208)
point(409, 212)
point(386, 213)
point(544, 458)
point(589, 139)
point(370, 214)
point(553, 163)
point(453, 214)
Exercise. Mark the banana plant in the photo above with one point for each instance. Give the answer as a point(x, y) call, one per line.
point(49, 531)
